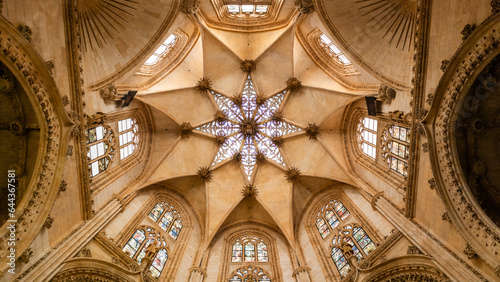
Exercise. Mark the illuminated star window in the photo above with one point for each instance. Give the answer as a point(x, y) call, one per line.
point(249, 127)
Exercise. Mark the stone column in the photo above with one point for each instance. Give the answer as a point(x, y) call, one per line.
point(450, 263)
point(301, 274)
point(197, 274)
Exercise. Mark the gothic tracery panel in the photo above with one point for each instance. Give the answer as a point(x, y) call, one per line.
point(100, 148)
point(167, 217)
point(395, 148)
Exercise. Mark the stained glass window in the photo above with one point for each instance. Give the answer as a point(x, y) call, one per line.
point(249, 127)
point(100, 148)
point(396, 148)
point(128, 135)
point(249, 244)
point(360, 242)
point(367, 136)
point(167, 217)
point(141, 239)
point(333, 51)
point(330, 217)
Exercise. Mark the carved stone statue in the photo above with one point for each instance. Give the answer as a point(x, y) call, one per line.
point(347, 249)
point(150, 253)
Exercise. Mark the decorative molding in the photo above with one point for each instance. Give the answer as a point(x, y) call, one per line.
point(48, 222)
point(301, 269)
point(26, 256)
point(465, 212)
point(25, 32)
point(467, 31)
point(413, 250)
point(446, 217)
point(86, 252)
point(469, 251)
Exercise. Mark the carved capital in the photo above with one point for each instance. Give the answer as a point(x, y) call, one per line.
point(198, 270)
point(300, 269)
point(190, 6)
point(386, 94)
point(375, 198)
point(109, 93)
point(304, 6)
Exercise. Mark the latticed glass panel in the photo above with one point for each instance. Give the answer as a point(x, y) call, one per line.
point(249, 127)
point(158, 263)
point(340, 261)
point(322, 228)
point(262, 252)
point(237, 255)
point(367, 136)
point(157, 211)
point(134, 243)
point(176, 229)
point(128, 136)
point(341, 210)
point(363, 240)
point(396, 148)
point(161, 51)
point(100, 148)
point(330, 217)
point(249, 252)
point(167, 218)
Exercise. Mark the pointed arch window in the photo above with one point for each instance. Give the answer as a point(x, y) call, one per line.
point(353, 239)
point(395, 148)
point(367, 136)
point(249, 274)
point(167, 217)
point(129, 136)
point(333, 51)
point(138, 243)
point(100, 148)
point(330, 217)
point(249, 244)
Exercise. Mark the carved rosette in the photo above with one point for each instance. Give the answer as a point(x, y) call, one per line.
point(205, 173)
point(293, 84)
point(249, 191)
point(185, 130)
point(237, 99)
point(312, 130)
point(247, 66)
point(204, 84)
point(292, 174)
point(6, 85)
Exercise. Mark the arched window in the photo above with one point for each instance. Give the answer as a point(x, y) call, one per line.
point(350, 237)
point(249, 243)
point(367, 136)
point(396, 148)
point(138, 243)
point(333, 51)
point(167, 217)
point(161, 52)
point(249, 274)
point(330, 216)
point(129, 138)
point(100, 148)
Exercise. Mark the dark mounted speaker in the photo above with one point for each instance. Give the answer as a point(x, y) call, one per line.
point(127, 99)
point(371, 105)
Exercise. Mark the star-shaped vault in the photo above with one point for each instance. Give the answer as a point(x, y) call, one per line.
point(251, 124)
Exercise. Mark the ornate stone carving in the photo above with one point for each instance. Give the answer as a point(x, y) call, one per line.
point(260, 157)
point(421, 114)
point(444, 65)
point(413, 250)
point(292, 174)
point(479, 168)
point(26, 256)
point(278, 141)
point(432, 183)
point(6, 85)
point(249, 191)
point(237, 99)
point(190, 6)
point(237, 157)
point(115, 260)
point(185, 130)
point(304, 6)
point(247, 66)
point(293, 84)
point(220, 139)
point(446, 217)
point(69, 150)
point(425, 147)
point(95, 119)
point(65, 100)
point(48, 222)
point(17, 128)
point(386, 94)
point(220, 116)
point(467, 31)
point(260, 99)
point(205, 173)
point(497, 270)
point(430, 98)
point(312, 130)
point(50, 65)
point(469, 251)
point(475, 125)
point(109, 93)
point(25, 32)
point(86, 252)
point(134, 267)
point(204, 84)
point(277, 116)
point(495, 6)
point(63, 186)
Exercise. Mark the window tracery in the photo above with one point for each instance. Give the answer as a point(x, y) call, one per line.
point(395, 148)
point(129, 136)
point(247, 9)
point(159, 54)
point(100, 148)
point(332, 213)
point(249, 274)
point(249, 244)
point(167, 217)
point(333, 51)
point(139, 242)
point(367, 136)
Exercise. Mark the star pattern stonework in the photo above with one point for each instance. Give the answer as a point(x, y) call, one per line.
point(249, 127)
